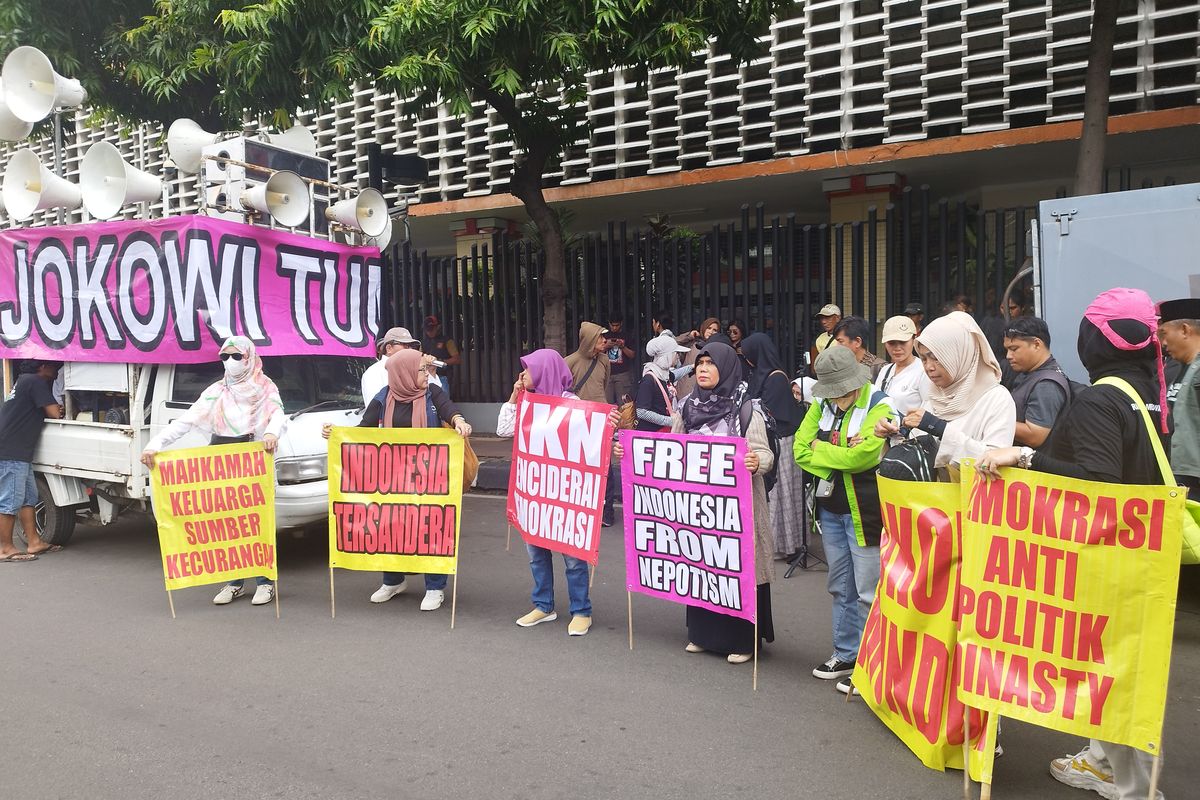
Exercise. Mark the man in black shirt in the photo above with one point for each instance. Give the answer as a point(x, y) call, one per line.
point(20, 429)
point(437, 344)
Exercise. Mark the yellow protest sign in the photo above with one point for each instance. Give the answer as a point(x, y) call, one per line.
point(395, 498)
point(1067, 606)
point(215, 508)
point(906, 670)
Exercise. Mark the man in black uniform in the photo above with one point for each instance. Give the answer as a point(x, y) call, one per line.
point(20, 430)
point(1040, 390)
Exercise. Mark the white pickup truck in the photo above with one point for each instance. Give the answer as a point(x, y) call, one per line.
point(89, 460)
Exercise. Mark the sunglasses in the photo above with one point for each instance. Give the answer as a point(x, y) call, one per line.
point(234, 356)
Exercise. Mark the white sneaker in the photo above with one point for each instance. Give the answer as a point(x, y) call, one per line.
point(228, 594)
point(385, 592)
point(1084, 771)
point(264, 594)
point(433, 600)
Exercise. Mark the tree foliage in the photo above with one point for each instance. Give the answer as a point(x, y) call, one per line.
point(527, 59)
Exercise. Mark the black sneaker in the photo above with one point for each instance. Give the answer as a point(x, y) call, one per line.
point(606, 521)
point(833, 669)
point(846, 687)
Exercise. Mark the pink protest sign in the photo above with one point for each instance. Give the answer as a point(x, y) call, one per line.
point(171, 290)
point(689, 520)
point(561, 453)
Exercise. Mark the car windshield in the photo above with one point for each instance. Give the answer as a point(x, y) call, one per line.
point(303, 381)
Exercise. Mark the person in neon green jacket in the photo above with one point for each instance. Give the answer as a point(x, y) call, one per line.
point(836, 442)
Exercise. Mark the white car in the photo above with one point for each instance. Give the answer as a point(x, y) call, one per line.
point(89, 460)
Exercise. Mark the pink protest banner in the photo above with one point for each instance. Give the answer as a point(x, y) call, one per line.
point(561, 454)
point(689, 520)
point(171, 290)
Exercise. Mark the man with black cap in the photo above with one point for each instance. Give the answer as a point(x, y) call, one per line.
point(916, 312)
point(1179, 329)
point(21, 428)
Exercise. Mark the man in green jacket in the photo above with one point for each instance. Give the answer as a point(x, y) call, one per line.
point(836, 442)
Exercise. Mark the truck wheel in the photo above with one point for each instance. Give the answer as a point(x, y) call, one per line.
point(54, 524)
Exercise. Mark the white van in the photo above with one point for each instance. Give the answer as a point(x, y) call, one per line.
point(89, 460)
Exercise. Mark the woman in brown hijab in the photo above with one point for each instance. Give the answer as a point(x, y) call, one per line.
point(409, 401)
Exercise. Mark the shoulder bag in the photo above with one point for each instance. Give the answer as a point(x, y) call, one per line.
point(1191, 511)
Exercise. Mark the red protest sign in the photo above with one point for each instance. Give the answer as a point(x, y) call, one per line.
point(560, 460)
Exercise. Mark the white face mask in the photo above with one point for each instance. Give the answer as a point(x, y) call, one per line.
point(235, 369)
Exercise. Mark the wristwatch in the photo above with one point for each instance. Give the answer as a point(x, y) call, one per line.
point(1025, 460)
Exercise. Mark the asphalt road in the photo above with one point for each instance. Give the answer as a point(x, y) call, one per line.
point(108, 697)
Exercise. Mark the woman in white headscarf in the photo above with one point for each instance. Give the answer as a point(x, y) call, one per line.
point(243, 406)
point(967, 409)
point(656, 397)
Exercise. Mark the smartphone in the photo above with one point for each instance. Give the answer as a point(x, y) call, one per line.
point(824, 489)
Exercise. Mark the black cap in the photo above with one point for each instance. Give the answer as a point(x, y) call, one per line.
point(1186, 308)
point(914, 308)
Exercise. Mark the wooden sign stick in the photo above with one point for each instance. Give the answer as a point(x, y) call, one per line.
point(592, 576)
point(332, 599)
point(1154, 773)
point(508, 541)
point(966, 753)
point(629, 613)
point(276, 598)
point(171, 603)
point(453, 601)
point(754, 679)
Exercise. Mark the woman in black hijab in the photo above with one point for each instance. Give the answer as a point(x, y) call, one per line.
point(715, 408)
point(769, 384)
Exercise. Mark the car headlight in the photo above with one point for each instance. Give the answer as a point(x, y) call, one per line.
point(302, 470)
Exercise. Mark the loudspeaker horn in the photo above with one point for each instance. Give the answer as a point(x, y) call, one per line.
point(367, 212)
point(12, 128)
point(108, 183)
point(34, 89)
point(382, 240)
point(185, 142)
point(297, 138)
point(29, 187)
point(284, 196)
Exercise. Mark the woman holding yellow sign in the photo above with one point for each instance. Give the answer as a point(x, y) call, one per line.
point(244, 406)
point(408, 401)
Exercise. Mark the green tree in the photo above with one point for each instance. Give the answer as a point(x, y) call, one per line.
point(527, 59)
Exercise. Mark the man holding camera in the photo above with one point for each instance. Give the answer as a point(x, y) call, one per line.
point(836, 442)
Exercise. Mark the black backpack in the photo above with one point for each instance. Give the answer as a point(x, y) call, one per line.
point(748, 407)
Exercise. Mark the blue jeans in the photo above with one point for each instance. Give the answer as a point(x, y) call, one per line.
point(260, 581)
point(17, 487)
point(541, 564)
point(432, 582)
point(853, 576)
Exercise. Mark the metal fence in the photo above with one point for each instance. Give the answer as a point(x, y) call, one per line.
point(771, 274)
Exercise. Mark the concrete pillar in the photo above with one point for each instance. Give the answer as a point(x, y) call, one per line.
point(849, 199)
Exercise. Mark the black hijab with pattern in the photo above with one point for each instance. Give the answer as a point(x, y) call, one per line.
point(715, 411)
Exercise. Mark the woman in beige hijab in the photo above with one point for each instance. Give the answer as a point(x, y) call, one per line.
point(968, 410)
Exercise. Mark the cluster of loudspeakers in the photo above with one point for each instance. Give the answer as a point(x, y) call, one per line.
point(285, 195)
point(31, 90)
point(107, 184)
